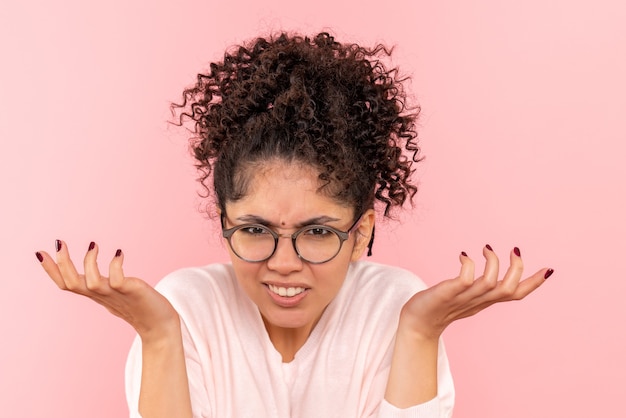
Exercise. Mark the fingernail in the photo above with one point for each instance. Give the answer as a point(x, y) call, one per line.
point(463, 253)
point(39, 256)
point(92, 245)
point(489, 247)
point(548, 273)
point(517, 252)
point(58, 244)
point(118, 253)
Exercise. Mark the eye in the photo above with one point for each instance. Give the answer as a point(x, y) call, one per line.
point(318, 232)
point(254, 230)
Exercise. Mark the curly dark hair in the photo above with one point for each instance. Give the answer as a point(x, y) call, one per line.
point(333, 106)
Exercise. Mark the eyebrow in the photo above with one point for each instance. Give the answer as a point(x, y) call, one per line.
point(318, 220)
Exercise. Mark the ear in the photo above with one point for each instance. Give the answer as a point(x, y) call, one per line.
point(363, 233)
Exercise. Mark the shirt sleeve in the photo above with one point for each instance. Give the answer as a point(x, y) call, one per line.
point(430, 409)
point(133, 378)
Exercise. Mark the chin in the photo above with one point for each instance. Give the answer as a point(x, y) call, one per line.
point(286, 319)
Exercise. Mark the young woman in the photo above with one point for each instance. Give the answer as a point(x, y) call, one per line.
point(298, 140)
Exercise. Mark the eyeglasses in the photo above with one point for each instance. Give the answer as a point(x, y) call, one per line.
point(315, 244)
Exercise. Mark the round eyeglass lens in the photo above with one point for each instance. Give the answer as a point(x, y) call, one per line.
point(317, 244)
point(253, 243)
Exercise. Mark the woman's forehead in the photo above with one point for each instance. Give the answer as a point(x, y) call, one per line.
point(286, 193)
point(277, 174)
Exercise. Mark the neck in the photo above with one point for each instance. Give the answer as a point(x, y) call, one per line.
point(287, 341)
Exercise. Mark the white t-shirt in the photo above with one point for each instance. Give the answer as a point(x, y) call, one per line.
point(341, 371)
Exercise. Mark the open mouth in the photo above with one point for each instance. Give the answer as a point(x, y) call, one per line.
point(286, 291)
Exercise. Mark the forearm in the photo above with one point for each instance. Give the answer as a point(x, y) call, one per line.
point(164, 384)
point(413, 375)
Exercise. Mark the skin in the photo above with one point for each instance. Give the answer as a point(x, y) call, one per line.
point(285, 197)
point(428, 313)
point(164, 383)
point(294, 199)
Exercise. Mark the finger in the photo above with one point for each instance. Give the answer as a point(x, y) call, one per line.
point(512, 277)
point(523, 289)
point(450, 290)
point(73, 281)
point(466, 275)
point(93, 279)
point(492, 267)
point(489, 280)
point(51, 268)
point(529, 285)
point(116, 273)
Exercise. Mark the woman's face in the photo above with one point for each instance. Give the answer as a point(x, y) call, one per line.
point(284, 197)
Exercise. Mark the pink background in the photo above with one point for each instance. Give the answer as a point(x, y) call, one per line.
point(523, 127)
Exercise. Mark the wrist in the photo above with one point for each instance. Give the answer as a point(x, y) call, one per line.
point(418, 329)
point(162, 334)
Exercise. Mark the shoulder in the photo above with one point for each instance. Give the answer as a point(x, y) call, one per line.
point(194, 283)
point(377, 288)
point(384, 278)
point(367, 307)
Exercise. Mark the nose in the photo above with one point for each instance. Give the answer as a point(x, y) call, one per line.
point(285, 259)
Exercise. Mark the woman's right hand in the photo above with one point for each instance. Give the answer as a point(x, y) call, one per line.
point(164, 384)
point(129, 298)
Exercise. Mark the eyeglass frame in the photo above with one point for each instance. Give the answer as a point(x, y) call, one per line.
point(343, 236)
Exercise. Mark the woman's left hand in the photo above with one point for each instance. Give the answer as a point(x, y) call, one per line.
point(428, 313)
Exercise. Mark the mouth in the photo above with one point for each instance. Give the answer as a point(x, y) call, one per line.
point(286, 296)
point(285, 291)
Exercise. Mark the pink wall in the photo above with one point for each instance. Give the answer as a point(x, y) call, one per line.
point(523, 128)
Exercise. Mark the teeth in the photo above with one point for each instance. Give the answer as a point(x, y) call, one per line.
point(286, 291)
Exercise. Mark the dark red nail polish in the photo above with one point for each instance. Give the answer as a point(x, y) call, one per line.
point(517, 252)
point(58, 245)
point(548, 273)
point(39, 256)
point(118, 253)
point(489, 247)
point(463, 253)
point(92, 245)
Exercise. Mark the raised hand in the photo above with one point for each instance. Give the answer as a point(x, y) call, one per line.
point(164, 383)
point(413, 374)
point(429, 312)
point(129, 298)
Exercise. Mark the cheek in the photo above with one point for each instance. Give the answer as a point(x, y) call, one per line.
point(244, 272)
point(336, 271)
